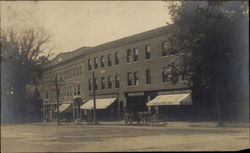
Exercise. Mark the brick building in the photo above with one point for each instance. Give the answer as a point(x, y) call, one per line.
point(128, 73)
point(68, 68)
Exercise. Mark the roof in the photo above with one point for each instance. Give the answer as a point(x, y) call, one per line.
point(130, 39)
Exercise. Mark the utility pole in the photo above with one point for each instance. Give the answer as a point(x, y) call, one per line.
point(57, 101)
point(94, 98)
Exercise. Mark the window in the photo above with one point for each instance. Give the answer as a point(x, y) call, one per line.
point(136, 78)
point(102, 61)
point(95, 62)
point(164, 48)
point(167, 48)
point(70, 90)
point(184, 76)
point(147, 52)
point(117, 58)
point(70, 73)
point(96, 83)
point(109, 82)
point(46, 94)
point(67, 90)
point(80, 70)
point(90, 84)
point(73, 72)
point(129, 57)
point(75, 90)
point(166, 76)
point(135, 52)
point(117, 81)
point(109, 60)
point(148, 77)
point(129, 78)
point(78, 90)
point(89, 64)
point(103, 83)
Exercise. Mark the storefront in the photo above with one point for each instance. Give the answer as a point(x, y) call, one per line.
point(106, 109)
point(175, 106)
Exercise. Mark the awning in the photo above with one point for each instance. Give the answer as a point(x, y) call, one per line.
point(171, 99)
point(100, 103)
point(64, 108)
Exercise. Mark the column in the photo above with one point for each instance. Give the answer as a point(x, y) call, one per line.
point(157, 109)
point(149, 107)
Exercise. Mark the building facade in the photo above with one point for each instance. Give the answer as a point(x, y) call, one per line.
point(132, 70)
point(66, 71)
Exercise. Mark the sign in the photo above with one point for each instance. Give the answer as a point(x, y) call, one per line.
point(136, 94)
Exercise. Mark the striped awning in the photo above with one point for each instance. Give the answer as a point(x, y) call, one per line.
point(100, 103)
point(65, 108)
point(171, 99)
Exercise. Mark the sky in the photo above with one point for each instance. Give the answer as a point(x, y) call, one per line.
point(72, 25)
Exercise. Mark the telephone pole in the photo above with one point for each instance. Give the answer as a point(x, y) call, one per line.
point(94, 98)
point(57, 101)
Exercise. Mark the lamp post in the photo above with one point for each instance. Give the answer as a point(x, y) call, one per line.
point(57, 101)
point(94, 98)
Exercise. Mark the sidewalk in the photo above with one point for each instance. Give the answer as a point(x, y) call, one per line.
point(170, 124)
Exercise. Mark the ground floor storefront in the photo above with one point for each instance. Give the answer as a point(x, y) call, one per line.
point(110, 107)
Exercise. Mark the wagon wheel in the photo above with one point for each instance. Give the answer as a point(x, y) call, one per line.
point(127, 119)
point(153, 120)
point(162, 119)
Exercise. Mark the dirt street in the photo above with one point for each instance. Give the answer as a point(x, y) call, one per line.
point(88, 138)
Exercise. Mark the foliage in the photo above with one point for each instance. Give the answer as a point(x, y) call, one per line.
point(213, 34)
point(22, 55)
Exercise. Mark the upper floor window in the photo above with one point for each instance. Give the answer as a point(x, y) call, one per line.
point(129, 78)
point(109, 82)
point(148, 76)
point(73, 71)
point(135, 52)
point(166, 76)
point(117, 81)
point(81, 70)
point(167, 48)
point(102, 61)
point(117, 60)
point(164, 48)
point(70, 91)
point(103, 83)
point(136, 78)
point(129, 56)
point(96, 83)
point(78, 90)
point(90, 84)
point(109, 60)
point(46, 94)
point(89, 64)
point(75, 90)
point(184, 76)
point(95, 62)
point(147, 52)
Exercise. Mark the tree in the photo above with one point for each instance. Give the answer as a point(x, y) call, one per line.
point(214, 36)
point(22, 54)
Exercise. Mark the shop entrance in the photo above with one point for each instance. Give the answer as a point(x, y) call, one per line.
point(136, 104)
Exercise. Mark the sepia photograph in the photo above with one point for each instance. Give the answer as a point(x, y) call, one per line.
point(124, 76)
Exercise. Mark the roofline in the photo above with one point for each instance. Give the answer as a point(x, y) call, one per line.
point(126, 40)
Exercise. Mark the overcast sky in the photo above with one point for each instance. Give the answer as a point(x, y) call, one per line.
point(82, 23)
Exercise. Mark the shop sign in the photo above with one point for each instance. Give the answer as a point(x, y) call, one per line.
point(136, 94)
